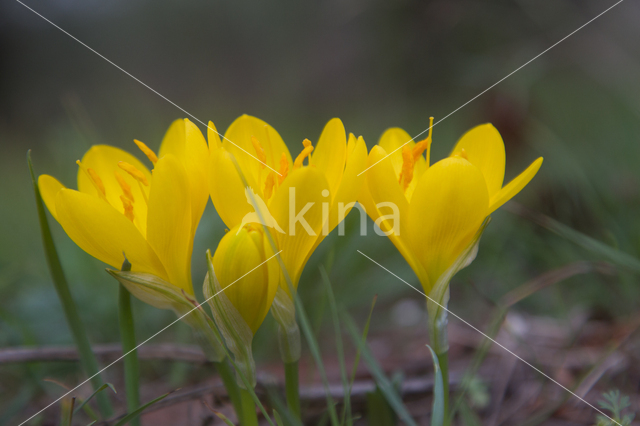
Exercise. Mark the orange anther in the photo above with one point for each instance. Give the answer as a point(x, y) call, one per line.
point(128, 207)
point(135, 173)
point(259, 151)
point(147, 151)
point(284, 167)
point(308, 148)
point(269, 184)
point(126, 188)
point(406, 174)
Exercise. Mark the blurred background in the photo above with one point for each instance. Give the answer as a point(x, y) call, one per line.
point(375, 64)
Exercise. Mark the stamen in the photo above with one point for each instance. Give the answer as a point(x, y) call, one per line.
point(135, 173)
point(284, 167)
point(259, 151)
point(304, 154)
point(147, 151)
point(463, 154)
point(94, 179)
point(268, 185)
point(406, 175)
point(410, 156)
point(128, 207)
point(126, 188)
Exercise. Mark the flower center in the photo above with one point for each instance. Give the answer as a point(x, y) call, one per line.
point(410, 156)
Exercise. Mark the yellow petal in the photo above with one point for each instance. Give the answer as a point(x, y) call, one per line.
point(330, 152)
point(349, 189)
point(169, 221)
point(213, 136)
point(105, 233)
point(296, 241)
point(515, 186)
point(448, 207)
point(383, 186)
point(484, 149)
point(239, 266)
point(238, 142)
point(227, 190)
point(104, 159)
point(49, 188)
point(184, 140)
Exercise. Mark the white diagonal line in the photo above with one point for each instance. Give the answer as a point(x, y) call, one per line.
point(124, 355)
point(152, 89)
point(494, 341)
point(494, 84)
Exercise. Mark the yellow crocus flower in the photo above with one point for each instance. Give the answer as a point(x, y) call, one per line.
point(325, 187)
point(440, 207)
point(122, 209)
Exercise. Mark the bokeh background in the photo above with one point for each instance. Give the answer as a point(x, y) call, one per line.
point(375, 64)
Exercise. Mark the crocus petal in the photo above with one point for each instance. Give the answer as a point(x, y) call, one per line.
point(448, 207)
point(227, 190)
point(330, 152)
point(105, 233)
point(49, 188)
point(350, 186)
point(104, 159)
point(484, 149)
point(185, 141)
point(515, 186)
point(213, 136)
point(238, 142)
point(169, 221)
point(296, 242)
point(382, 186)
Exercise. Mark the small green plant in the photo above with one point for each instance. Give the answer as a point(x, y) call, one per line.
point(615, 403)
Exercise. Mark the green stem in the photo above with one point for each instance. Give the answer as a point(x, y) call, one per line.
point(443, 360)
point(292, 388)
point(87, 358)
point(229, 380)
point(128, 338)
point(440, 345)
point(249, 415)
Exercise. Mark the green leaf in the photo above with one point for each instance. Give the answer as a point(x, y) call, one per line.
point(97, 391)
point(437, 413)
point(87, 358)
point(339, 348)
point(386, 387)
point(277, 417)
point(126, 419)
point(379, 413)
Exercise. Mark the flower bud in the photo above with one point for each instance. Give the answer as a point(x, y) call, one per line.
point(240, 287)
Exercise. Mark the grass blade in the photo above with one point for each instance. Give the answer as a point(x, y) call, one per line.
point(87, 358)
point(126, 419)
point(97, 391)
point(601, 249)
point(339, 347)
point(437, 414)
point(385, 385)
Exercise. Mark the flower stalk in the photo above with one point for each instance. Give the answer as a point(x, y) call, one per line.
point(128, 340)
